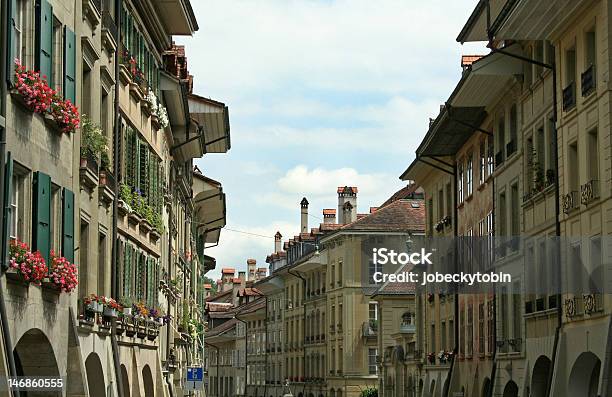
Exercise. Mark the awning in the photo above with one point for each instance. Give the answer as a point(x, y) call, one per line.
point(177, 16)
point(483, 16)
point(537, 19)
point(271, 285)
point(188, 146)
point(213, 118)
point(209, 207)
point(209, 263)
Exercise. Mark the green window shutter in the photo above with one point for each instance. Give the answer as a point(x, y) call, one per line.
point(44, 39)
point(6, 214)
point(68, 225)
point(69, 65)
point(41, 222)
point(11, 33)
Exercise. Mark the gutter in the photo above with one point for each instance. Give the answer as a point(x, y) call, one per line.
point(116, 132)
point(4, 77)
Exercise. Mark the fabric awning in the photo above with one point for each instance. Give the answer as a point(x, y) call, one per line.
point(484, 15)
point(537, 19)
point(209, 207)
point(188, 146)
point(213, 117)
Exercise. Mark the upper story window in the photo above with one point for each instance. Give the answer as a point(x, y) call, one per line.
point(490, 156)
point(482, 162)
point(511, 146)
point(589, 74)
point(501, 139)
point(469, 175)
point(18, 21)
point(460, 182)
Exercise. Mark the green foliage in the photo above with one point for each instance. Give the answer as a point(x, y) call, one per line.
point(93, 141)
point(369, 392)
point(125, 194)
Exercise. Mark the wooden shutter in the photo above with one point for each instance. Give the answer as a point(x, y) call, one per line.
point(69, 65)
point(44, 39)
point(41, 215)
point(6, 214)
point(68, 225)
point(11, 32)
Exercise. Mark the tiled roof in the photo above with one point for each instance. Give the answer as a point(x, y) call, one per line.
point(400, 215)
point(253, 306)
point(329, 211)
point(397, 288)
point(218, 306)
point(249, 292)
point(228, 270)
point(226, 326)
point(352, 188)
point(467, 60)
point(410, 191)
point(236, 280)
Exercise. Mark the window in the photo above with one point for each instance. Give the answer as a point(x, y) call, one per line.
point(573, 167)
point(460, 183)
point(18, 211)
point(502, 222)
point(430, 216)
point(570, 66)
point(18, 29)
point(86, 91)
point(501, 138)
point(590, 48)
point(528, 68)
point(481, 328)
point(56, 217)
point(83, 262)
point(514, 213)
point(516, 311)
point(373, 310)
point(482, 165)
point(550, 53)
point(441, 203)
point(443, 336)
point(490, 327)
point(490, 156)
point(470, 174)
point(593, 157)
point(511, 147)
point(372, 367)
point(539, 56)
point(57, 77)
point(102, 271)
point(433, 339)
point(449, 200)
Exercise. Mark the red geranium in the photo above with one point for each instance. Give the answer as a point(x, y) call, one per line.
point(34, 90)
point(31, 265)
point(63, 273)
point(64, 113)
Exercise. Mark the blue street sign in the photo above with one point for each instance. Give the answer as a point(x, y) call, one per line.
point(195, 374)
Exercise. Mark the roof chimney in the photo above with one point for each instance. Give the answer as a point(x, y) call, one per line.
point(329, 215)
point(348, 212)
point(251, 264)
point(346, 195)
point(304, 215)
point(277, 242)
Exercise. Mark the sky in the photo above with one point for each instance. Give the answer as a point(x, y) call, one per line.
point(321, 94)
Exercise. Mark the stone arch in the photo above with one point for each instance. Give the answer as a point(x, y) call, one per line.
point(540, 376)
point(432, 387)
point(34, 356)
point(486, 387)
point(332, 392)
point(147, 379)
point(584, 377)
point(125, 379)
point(95, 376)
point(511, 389)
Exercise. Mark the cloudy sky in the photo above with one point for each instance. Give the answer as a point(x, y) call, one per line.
point(321, 93)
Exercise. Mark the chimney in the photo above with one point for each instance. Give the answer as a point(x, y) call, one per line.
point(251, 263)
point(277, 242)
point(304, 215)
point(242, 277)
point(348, 212)
point(329, 215)
point(346, 195)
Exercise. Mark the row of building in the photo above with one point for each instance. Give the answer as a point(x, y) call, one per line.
point(100, 128)
point(515, 173)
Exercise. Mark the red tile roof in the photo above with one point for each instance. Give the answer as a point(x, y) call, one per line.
point(228, 270)
point(329, 211)
point(398, 288)
point(400, 215)
point(410, 191)
point(352, 188)
point(467, 60)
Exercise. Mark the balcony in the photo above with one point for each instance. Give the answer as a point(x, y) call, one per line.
point(569, 97)
point(589, 192)
point(89, 170)
point(92, 10)
point(407, 328)
point(109, 32)
point(499, 158)
point(569, 202)
point(369, 329)
point(510, 148)
point(587, 81)
point(106, 191)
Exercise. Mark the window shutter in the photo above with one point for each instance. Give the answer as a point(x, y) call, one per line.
point(11, 32)
point(41, 222)
point(44, 39)
point(6, 214)
point(69, 65)
point(68, 225)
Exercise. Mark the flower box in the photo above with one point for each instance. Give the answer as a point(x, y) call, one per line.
point(123, 208)
point(124, 74)
point(47, 283)
point(14, 275)
point(20, 100)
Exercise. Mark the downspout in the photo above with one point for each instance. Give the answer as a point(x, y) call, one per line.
point(217, 365)
point(168, 326)
point(303, 320)
point(114, 267)
point(4, 75)
point(267, 340)
point(494, 369)
point(457, 317)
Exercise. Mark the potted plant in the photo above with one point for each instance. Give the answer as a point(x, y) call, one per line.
point(125, 200)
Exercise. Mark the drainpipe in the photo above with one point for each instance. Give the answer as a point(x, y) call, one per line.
point(267, 340)
point(4, 76)
point(217, 365)
point(168, 326)
point(114, 259)
point(494, 369)
point(298, 275)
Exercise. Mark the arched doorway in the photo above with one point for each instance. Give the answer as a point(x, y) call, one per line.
point(125, 380)
point(511, 389)
point(486, 386)
point(541, 374)
point(95, 376)
point(147, 379)
point(34, 356)
point(584, 378)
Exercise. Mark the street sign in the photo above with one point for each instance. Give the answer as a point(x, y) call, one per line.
point(194, 378)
